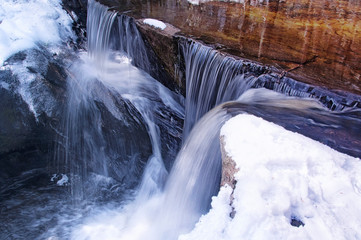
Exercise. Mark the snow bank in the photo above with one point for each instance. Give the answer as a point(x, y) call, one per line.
point(283, 177)
point(155, 23)
point(24, 23)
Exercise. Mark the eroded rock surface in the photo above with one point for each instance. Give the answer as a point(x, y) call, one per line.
point(314, 42)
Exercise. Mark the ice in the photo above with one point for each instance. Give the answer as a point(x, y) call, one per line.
point(26, 23)
point(155, 23)
point(4, 85)
point(53, 177)
point(63, 181)
point(283, 177)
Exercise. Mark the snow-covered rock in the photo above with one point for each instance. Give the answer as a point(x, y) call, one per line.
point(155, 23)
point(287, 187)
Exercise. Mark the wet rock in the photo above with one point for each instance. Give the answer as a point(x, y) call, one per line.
point(127, 143)
point(77, 10)
point(25, 143)
point(171, 127)
point(164, 43)
point(27, 132)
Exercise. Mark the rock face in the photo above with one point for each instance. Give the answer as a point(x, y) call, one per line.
point(286, 35)
point(228, 167)
point(165, 45)
point(27, 133)
point(34, 123)
point(77, 10)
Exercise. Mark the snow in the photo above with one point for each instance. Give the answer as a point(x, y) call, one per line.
point(283, 176)
point(26, 23)
point(155, 23)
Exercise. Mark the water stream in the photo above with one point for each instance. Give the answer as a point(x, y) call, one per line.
point(123, 166)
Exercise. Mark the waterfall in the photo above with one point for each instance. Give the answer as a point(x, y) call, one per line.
point(99, 25)
point(195, 177)
point(211, 79)
point(116, 114)
point(168, 205)
point(119, 148)
point(132, 43)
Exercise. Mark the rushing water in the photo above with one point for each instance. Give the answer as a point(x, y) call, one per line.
point(119, 170)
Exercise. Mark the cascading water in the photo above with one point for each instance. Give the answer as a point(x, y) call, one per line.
point(105, 86)
point(121, 132)
point(212, 79)
point(159, 213)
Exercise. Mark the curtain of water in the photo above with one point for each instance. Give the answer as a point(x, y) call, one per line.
point(212, 79)
point(132, 43)
point(99, 25)
point(103, 129)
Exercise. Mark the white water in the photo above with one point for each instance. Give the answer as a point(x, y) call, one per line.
point(192, 181)
point(168, 206)
point(102, 80)
point(212, 79)
point(176, 206)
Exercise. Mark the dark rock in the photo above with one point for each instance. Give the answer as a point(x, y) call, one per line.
point(164, 43)
point(24, 142)
point(26, 135)
point(296, 222)
point(79, 7)
point(170, 125)
point(127, 142)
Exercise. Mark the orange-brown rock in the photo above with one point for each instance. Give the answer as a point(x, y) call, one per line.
point(317, 42)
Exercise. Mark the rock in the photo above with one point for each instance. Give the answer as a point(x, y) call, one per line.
point(163, 49)
point(296, 223)
point(127, 143)
point(228, 167)
point(77, 10)
point(165, 46)
point(25, 142)
point(253, 30)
